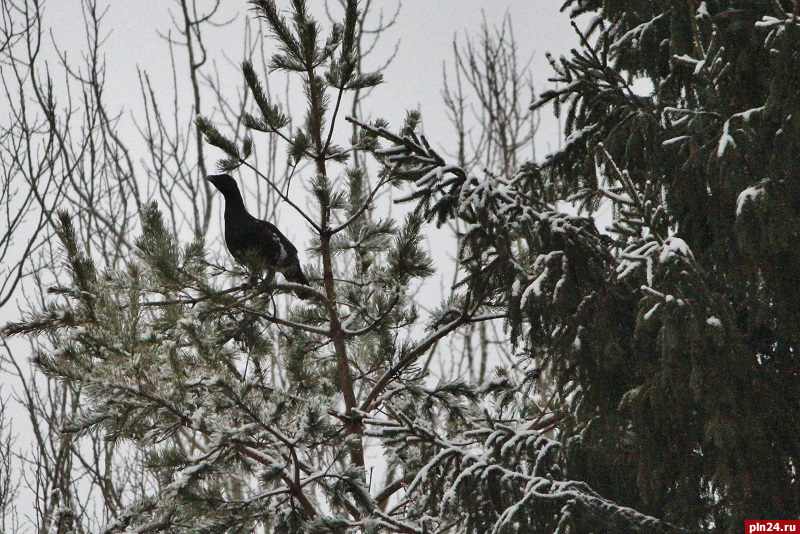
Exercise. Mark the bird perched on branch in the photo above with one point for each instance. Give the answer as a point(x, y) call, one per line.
point(254, 243)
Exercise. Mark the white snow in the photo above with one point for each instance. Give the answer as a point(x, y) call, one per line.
point(471, 228)
point(746, 115)
point(702, 11)
point(652, 310)
point(515, 287)
point(577, 135)
point(686, 60)
point(725, 140)
point(633, 36)
point(748, 195)
point(620, 198)
point(767, 22)
point(674, 246)
point(674, 140)
point(535, 287)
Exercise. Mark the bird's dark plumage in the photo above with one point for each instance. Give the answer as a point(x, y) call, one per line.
point(253, 242)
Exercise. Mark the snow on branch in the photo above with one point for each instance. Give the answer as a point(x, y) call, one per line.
point(632, 37)
point(514, 461)
point(749, 195)
point(726, 139)
point(517, 248)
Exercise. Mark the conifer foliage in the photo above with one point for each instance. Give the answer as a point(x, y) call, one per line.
point(671, 339)
point(703, 175)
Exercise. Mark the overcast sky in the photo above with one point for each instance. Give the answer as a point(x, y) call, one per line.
point(425, 30)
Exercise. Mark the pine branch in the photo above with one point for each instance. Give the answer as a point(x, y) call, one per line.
point(364, 206)
point(370, 402)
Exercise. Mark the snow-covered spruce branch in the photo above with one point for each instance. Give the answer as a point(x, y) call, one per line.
point(491, 202)
point(520, 463)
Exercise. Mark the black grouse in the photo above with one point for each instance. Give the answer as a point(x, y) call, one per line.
point(255, 243)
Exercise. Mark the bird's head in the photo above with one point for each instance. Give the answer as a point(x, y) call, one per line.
point(225, 183)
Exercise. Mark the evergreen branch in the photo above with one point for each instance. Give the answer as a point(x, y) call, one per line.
point(386, 493)
point(369, 328)
point(267, 494)
point(291, 324)
point(349, 38)
point(247, 409)
point(271, 114)
point(194, 300)
point(279, 27)
point(291, 489)
point(339, 95)
point(370, 403)
point(294, 287)
point(400, 526)
point(364, 206)
point(339, 155)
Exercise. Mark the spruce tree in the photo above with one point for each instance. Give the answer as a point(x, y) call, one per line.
point(703, 176)
point(672, 337)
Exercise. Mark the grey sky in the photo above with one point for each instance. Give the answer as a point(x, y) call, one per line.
point(425, 31)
